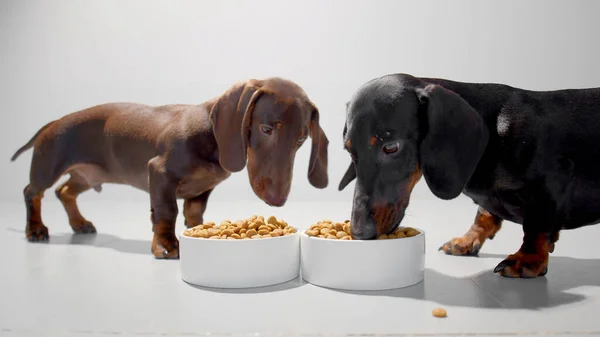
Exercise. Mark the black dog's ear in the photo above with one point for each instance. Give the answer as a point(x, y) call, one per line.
point(348, 176)
point(454, 143)
point(351, 171)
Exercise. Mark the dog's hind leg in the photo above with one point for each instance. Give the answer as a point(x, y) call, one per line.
point(35, 230)
point(541, 226)
point(41, 177)
point(485, 226)
point(67, 193)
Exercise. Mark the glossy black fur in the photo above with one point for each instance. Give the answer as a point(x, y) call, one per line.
point(540, 164)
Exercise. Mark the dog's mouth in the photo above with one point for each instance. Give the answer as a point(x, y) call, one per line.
point(393, 227)
point(387, 218)
point(389, 215)
point(382, 219)
point(270, 194)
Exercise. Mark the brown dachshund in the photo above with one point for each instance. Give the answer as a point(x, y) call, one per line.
point(177, 152)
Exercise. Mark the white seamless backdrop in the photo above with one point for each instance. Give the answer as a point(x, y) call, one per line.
point(60, 56)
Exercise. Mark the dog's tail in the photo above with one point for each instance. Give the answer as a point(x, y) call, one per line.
point(30, 142)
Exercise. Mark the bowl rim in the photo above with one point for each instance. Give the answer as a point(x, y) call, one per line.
point(388, 241)
point(185, 237)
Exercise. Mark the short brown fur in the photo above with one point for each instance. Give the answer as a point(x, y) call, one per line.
point(176, 152)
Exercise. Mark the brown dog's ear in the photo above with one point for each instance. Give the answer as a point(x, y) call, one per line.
point(455, 140)
point(231, 116)
point(348, 176)
point(317, 168)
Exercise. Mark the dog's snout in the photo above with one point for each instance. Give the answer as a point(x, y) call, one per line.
point(272, 193)
point(363, 233)
point(273, 198)
point(362, 228)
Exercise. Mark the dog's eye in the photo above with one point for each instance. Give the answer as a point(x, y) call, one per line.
point(266, 129)
point(390, 148)
point(301, 140)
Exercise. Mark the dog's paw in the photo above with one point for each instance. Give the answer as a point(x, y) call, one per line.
point(522, 265)
point(165, 246)
point(84, 227)
point(36, 233)
point(464, 245)
point(190, 223)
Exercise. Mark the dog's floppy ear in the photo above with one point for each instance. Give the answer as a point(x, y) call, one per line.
point(454, 142)
point(348, 176)
point(231, 116)
point(317, 168)
point(351, 171)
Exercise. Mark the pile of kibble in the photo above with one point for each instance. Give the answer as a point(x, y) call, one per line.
point(254, 227)
point(327, 229)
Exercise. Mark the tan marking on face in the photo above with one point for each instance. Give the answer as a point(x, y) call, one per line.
point(383, 215)
point(414, 178)
point(348, 144)
point(373, 141)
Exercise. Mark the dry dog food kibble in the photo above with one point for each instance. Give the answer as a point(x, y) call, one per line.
point(327, 229)
point(439, 312)
point(254, 227)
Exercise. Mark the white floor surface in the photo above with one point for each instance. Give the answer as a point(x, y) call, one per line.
point(109, 284)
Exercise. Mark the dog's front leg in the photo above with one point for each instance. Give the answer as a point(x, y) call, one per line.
point(163, 208)
point(193, 209)
point(484, 227)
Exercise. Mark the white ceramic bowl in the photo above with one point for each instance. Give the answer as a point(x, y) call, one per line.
point(239, 263)
point(363, 265)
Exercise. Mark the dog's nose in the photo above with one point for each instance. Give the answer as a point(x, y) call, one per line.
point(364, 233)
point(275, 199)
point(362, 229)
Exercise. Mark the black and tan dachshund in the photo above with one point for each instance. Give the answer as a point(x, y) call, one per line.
point(530, 157)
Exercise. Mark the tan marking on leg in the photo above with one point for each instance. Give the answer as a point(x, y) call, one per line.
point(531, 260)
point(484, 227)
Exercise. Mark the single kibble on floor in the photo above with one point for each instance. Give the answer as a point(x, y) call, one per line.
point(254, 227)
point(327, 229)
point(439, 312)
